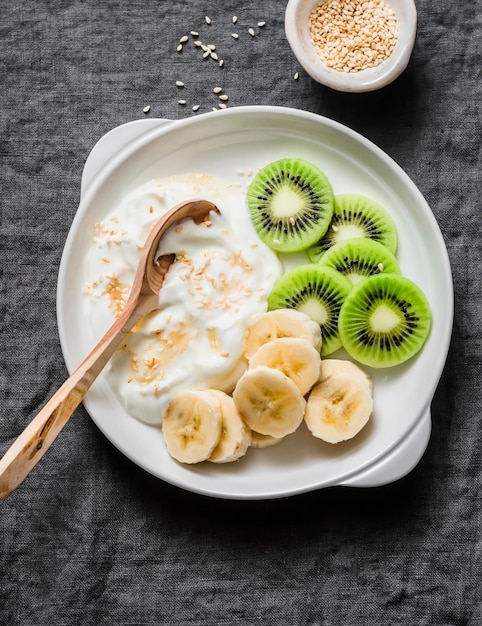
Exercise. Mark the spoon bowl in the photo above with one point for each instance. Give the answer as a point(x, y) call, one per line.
point(27, 450)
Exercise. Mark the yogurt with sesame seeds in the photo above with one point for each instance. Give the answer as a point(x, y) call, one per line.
point(221, 278)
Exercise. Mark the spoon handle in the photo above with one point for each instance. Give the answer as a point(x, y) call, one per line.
point(30, 446)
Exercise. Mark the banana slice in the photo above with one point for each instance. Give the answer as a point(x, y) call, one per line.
point(235, 435)
point(281, 323)
point(338, 408)
point(191, 426)
point(264, 441)
point(332, 367)
point(269, 402)
point(295, 357)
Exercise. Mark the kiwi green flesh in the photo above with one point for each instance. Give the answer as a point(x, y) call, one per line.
point(317, 291)
point(384, 321)
point(291, 204)
point(356, 216)
point(359, 258)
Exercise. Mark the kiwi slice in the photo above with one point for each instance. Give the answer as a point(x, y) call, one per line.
point(359, 258)
point(384, 320)
point(291, 204)
point(317, 291)
point(356, 216)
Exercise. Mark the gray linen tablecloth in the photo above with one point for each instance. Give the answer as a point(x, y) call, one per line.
point(89, 538)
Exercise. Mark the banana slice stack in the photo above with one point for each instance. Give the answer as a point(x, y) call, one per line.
point(286, 382)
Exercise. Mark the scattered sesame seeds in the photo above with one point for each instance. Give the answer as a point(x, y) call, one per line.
point(146, 109)
point(353, 35)
point(208, 51)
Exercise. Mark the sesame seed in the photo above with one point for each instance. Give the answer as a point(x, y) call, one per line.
point(235, 19)
point(198, 43)
point(221, 63)
point(217, 89)
point(179, 48)
point(179, 83)
point(261, 24)
point(181, 102)
point(235, 35)
point(251, 32)
point(214, 56)
point(381, 267)
point(353, 35)
point(222, 105)
point(146, 109)
point(183, 39)
point(211, 47)
point(206, 54)
point(334, 228)
point(296, 76)
point(207, 20)
point(223, 97)
point(276, 242)
point(196, 107)
point(194, 33)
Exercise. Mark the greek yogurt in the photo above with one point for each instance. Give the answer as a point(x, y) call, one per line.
point(221, 278)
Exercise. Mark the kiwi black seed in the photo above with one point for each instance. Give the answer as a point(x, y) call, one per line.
point(291, 204)
point(359, 258)
point(356, 216)
point(317, 291)
point(384, 320)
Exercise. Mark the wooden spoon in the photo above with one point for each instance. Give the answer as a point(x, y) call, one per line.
point(33, 442)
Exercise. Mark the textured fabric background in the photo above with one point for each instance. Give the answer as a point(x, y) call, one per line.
point(91, 539)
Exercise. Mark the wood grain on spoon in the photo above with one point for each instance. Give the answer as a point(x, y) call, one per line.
point(35, 440)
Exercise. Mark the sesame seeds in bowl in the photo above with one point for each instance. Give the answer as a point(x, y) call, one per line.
point(352, 45)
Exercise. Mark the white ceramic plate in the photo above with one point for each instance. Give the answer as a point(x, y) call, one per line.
point(221, 144)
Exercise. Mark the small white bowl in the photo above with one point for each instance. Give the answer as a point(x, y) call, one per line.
point(298, 35)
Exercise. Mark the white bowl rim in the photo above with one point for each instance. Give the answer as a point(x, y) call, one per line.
point(366, 80)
